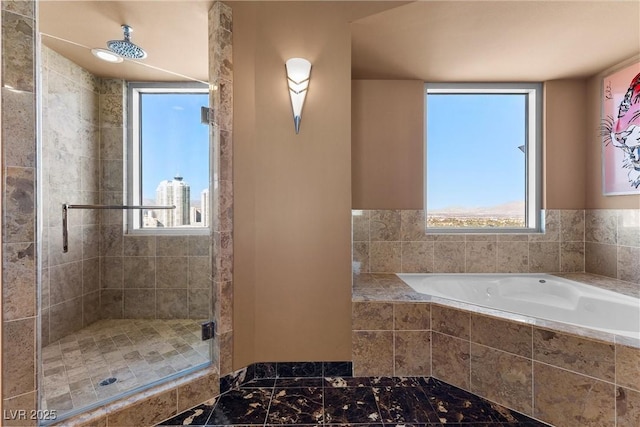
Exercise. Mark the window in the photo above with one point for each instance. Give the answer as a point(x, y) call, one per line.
point(168, 158)
point(483, 157)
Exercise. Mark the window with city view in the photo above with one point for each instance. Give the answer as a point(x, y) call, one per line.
point(482, 157)
point(169, 156)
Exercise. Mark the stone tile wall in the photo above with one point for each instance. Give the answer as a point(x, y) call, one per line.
point(105, 274)
point(391, 339)
point(394, 241)
point(602, 241)
point(164, 276)
point(19, 234)
point(221, 137)
point(161, 277)
point(559, 378)
point(168, 399)
point(70, 165)
point(19, 284)
point(612, 243)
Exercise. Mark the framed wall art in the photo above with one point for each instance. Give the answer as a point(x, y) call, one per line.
point(620, 130)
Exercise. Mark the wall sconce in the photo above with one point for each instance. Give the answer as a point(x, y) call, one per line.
point(298, 75)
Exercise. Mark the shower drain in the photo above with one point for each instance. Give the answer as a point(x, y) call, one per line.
point(107, 381)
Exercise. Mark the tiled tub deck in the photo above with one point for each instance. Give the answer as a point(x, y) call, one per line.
point(556, 373)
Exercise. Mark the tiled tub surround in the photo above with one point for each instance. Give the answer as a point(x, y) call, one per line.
point(537, 295)
point(394, 241)
point(612, 243)
point(325, 393)
point(562, 375)
point(604, 242)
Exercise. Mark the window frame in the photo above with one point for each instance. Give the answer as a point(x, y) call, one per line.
point(133, 186)
point(534, 222)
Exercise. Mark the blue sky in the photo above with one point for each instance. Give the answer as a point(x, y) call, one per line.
point(174, 141)
point(473, 158)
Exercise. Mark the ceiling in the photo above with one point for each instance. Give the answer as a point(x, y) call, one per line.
point(174, 34)
point(425, 40)
point(459, 41)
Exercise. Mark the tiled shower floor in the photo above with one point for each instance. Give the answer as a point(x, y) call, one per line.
point(134, 352)
point(350, 401)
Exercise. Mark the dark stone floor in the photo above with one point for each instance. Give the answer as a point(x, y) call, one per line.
point(343, 401)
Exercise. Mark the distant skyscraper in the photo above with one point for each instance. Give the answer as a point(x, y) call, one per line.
point(196, 217)
point(204, 207)
point(178, 193)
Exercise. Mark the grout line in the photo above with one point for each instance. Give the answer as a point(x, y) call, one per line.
point(615, 385)
point(574, 372)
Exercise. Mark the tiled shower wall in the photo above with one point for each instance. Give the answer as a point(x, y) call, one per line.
point(105, 274)
point(70, 164)
point(161, 277)
point(157, 277)
point(605, 242)
point(149, 277)
point(162, 402)
point(19, 308)
point(19, 283)
point(221, 136)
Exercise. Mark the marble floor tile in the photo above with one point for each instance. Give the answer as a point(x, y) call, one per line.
point(298, 382)
point(296, 405)
point(349, 401)
point(404, 405)
point(350, 405)
point(454, 405)
point(197, 416)
point(260, 383)
point(246, 407)
point(339, 382)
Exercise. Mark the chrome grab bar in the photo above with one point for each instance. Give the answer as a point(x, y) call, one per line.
point(67, 206)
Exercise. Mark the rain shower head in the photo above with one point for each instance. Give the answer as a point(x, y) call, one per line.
point(126, 48)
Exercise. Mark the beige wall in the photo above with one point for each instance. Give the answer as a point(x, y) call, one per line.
point(388, 137)
point(387, 144)
point(565, 135)
point(292, 193)
point(594, 197)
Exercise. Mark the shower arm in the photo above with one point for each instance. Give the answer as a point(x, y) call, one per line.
point(67, 206)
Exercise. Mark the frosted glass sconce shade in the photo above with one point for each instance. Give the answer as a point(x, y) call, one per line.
point(298, 75)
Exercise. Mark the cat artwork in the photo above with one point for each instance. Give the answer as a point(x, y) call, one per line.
point(621, 131)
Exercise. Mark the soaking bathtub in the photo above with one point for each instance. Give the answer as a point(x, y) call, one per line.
point(541, 296)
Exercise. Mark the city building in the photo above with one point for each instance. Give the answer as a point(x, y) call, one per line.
point(195, 216)
point(177, 193)
point(204, 207)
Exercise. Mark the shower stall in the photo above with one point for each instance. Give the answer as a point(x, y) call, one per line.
point(109, 299)
point(120, 311)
